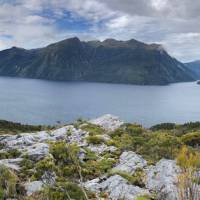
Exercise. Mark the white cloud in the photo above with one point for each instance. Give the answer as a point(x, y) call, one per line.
point(175, 24)
point(184, 46)
point(119, 22)
point(159, 4)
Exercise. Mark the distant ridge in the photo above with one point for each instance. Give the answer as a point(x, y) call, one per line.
point(112, 61)
point(194, 67)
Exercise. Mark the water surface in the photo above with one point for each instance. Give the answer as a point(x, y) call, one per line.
point(45, 102)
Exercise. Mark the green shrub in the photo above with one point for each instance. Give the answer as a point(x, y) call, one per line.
point(2, 194)
point(111, 143)
point(47, 164)
point(66, 157)
point(93, 129)
point(188, 178)
point(136, 179)
point(94, 168)
point(192, 139)
point(63, 152)
point(125, 175)
point(63, 191)
point(125, 142)
point(69, 171)
point(191, 125)
point(4, 155)
point(8, 182)
point(144, 197)
point(113, 155)
point(13, 128)
point(163, 126)
point(89, 155)
point(96, 139)
point(27, 167)
point(134, 129)
point(12, 153)
point(131, 129)
point(27, 164)
point(161, 145)
point(79, 122)
point(151, 145)
point(118, 132)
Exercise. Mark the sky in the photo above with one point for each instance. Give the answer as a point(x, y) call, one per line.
point(36, 23)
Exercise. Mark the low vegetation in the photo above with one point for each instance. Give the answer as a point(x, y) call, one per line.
point(152, 145)
point(8, 184)
point(13, 128)
point(170, 141)
point(95, 139)
point(92, 129)
point(189, 178)
point(136, 179)
point(11, 153)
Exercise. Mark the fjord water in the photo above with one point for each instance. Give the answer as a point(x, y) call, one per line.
point(45, 102)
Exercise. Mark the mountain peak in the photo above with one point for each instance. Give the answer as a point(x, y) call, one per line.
point(71, 41)
point(16, 48)
point(110, 40)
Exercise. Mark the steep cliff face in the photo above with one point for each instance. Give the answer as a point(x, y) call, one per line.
point(112, 61)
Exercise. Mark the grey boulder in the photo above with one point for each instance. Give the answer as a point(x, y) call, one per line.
point(129, 162)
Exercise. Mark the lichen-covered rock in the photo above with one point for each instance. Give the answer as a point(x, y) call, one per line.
point(129, 162)
point(81, 154)
point(107, 122)
point(13, 164)
point(61, 133)
point(77, 136)
point(32, 187)
point(94, 185)
point(49, 177)
point(105, 137)
point(116, 187)
point(99, 149)
point(162, 178)
point(37, 151)
point(24, 140)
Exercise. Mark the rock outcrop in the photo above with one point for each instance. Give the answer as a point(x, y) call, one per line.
point(13, 164)
point(32, 187)
point(37, 151)
point(116, 187)
point(35, 145)
point(99, 149)
point(129, 162)
point(24, 140)
point(162, 178)
point(107, 122)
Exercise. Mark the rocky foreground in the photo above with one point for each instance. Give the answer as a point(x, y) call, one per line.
point(159, 178)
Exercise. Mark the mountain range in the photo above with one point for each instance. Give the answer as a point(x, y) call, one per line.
point(112, 61)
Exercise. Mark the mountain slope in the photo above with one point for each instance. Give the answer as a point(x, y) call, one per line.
point(109, 61)
point(194, 67)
